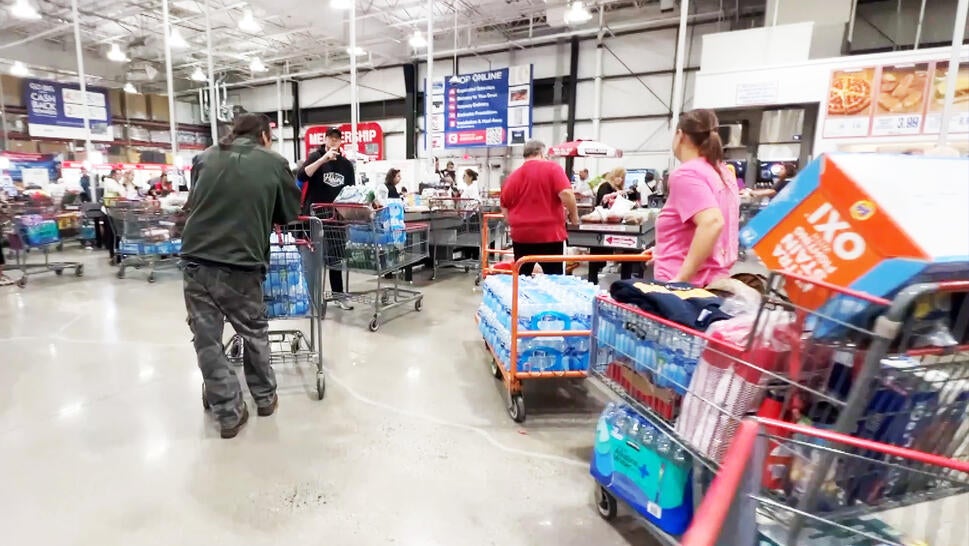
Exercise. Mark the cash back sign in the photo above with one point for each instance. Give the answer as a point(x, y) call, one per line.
point(56, 110)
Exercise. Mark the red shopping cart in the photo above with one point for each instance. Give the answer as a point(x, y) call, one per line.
point(846, 393)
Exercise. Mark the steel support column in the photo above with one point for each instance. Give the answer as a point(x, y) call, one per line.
point(573, 88)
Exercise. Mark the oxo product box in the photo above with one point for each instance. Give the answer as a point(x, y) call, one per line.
point(870, 222)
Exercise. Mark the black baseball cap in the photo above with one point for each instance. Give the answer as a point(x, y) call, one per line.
point(334, 132)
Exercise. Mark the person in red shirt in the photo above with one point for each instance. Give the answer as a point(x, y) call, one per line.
point(534, 201)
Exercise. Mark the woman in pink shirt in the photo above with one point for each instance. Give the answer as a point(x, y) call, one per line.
point(697, 230)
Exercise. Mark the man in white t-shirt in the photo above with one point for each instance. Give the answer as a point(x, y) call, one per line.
point(580, 184)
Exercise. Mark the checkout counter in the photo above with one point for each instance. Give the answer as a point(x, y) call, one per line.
point(617, 236)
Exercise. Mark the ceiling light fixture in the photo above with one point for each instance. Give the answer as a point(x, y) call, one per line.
point(22, 9)
point(115, 54)
point(256, 65)
point(176, 40)
point(577, 14)
point(358, 51)
point(19, 69)
point(341, 4)
point(248, 22)
point(130, 89)
point(198, 75)
point(418, 41)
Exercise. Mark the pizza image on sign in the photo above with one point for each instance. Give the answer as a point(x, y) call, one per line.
point(850, 93)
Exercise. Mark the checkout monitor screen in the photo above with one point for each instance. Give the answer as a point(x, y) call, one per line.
point(635, 176)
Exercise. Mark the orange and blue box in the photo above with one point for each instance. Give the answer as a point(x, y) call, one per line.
point(874, 223)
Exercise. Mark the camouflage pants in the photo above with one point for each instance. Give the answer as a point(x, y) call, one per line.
point(214, 295)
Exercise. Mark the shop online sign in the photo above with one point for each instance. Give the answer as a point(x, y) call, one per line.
point(370, 138)
point(56, 110)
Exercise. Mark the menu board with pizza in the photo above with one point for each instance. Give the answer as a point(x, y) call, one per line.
point(849, 103)
point(894, 100)
point(900, 103)
point(959, 122)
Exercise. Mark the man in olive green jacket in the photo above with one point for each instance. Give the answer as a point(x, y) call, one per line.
point(240, 189)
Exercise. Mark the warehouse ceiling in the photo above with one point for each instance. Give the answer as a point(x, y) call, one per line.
point(299, 38)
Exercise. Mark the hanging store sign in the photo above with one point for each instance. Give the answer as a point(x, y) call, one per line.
point(370, 138)
point(481, 109)
point(56, 110)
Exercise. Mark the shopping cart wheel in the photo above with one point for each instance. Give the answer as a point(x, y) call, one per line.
point(605, 503)
point(294, 345)
point(60, 247)
point(59, 271)
point(22, 282)
point(79, 271)
point(151, 277)
point(477, 280)
point(320, 385)
point(419, 304)
point(120, 273)
point(467, 269)
point(374, 325)
point(516, 408)
point(495, 368)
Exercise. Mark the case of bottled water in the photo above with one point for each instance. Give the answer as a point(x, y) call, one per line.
point(285, 289)
point(545, 302)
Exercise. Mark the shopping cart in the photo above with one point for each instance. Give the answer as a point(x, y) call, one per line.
point(296, 252)
point(512, 375)
point(32, 226)
point(359, 239)
point(457, 227)
point(147, 236)
point(885, 376)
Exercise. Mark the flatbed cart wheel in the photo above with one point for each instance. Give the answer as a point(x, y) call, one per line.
point(495, 369)
point(79, 271)
point(320, 385)
point(605, 503)
point(516, 408)
point(59, 271)
point(374, 325)
point(419, 304)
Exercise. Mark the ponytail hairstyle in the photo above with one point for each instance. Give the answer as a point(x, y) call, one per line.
point(472, 174)
point(701, 126)
point(253, 126)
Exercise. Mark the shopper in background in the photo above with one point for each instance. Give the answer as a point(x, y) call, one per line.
point(129, 186)
point(113, 190)
point(242, 189)
point(534, 200)
point(324, 174)
point(161, 188)
point(85, 186)
point(469, 192)
point(787, 172)
point(614, 185)
point(388, 190)
point(697, 230)
point(448, 175)
point(111, 187)
point(580, 185)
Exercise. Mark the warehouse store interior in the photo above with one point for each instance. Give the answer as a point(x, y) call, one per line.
point(804, 383)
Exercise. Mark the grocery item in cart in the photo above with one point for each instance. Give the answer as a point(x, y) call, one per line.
point(285, 290)
point(637, 462)
point(849, 220)
point(37, 230)
point(681, 303)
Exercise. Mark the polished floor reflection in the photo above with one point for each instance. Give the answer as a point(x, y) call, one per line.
point(105, 442)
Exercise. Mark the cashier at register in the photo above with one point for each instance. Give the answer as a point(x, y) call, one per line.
point(613, 186)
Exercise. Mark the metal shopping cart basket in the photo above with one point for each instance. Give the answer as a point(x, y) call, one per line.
point(295, 253)
point(883, 375)
point(30, 227)
point(147, 236)
point(358, 239)
point(456, 226)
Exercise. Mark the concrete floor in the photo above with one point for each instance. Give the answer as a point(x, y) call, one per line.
point(104, 440)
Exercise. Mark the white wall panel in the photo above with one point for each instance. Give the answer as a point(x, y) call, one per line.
point(262, 98)
point(625, 97)
point(644, 52)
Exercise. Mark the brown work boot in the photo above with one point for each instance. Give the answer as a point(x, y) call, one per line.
point(231, 432)
point(268, 409)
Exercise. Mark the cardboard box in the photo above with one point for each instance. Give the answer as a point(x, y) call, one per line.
point(159, 107)
point(135, 106)
point(46, 147)
point(133, 156)
point(13, 90)
point(870, 222)
point(117, 110)
point(22, 146)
